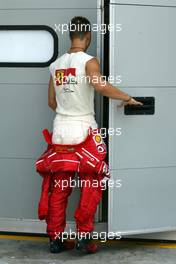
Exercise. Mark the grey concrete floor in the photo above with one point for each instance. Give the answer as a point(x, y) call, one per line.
point(37, 252)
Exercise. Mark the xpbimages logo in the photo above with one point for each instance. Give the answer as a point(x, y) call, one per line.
point(80, 183)
point(102, 236)
point(102, 28)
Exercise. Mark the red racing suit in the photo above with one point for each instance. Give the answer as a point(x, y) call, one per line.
point(60, 162)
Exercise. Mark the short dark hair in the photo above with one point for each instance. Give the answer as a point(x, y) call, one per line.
point(78, 27)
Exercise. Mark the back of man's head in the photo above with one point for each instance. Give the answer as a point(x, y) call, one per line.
point(79, 26)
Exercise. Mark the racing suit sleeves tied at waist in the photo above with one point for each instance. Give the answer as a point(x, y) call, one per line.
point(87, 156)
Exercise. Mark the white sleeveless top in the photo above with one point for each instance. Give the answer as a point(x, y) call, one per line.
point(74, 94)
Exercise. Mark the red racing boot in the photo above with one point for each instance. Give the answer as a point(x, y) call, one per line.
point(57, 245)
point(86, 245)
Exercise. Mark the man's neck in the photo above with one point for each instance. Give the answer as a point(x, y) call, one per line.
point(78, 45)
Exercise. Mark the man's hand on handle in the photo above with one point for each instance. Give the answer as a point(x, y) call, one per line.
point(131, 101)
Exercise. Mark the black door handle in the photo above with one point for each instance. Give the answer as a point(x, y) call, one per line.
point(148, 107)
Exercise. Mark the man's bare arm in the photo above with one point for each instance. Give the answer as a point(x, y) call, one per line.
point(104, 87)
point(51, 95)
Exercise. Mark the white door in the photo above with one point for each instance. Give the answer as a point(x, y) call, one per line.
point(143, 157)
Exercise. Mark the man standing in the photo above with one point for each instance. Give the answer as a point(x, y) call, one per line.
point(71, 96)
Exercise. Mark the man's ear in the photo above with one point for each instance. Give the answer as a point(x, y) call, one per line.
point(88, 39)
